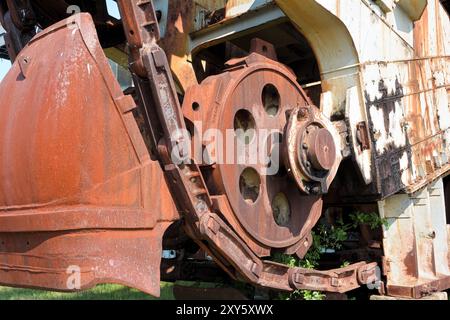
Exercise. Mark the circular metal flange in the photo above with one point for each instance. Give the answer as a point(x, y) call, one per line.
point(311, 150)
point(321, 150)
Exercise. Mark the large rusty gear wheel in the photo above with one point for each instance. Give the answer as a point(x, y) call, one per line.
point(257, 93)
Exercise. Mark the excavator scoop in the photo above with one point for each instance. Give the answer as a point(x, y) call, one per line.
point(78, 204)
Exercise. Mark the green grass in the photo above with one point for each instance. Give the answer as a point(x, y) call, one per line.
point(100, 292)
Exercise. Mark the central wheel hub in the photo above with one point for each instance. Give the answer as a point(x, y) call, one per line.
point(311, 150)
point(321, 149)
point(249, 105)
point(318, 150)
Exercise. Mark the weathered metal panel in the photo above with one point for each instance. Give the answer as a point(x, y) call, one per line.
point(403, 74)
point(416, 242)
point(422, 84)
point(77, 186)
point(408, 105)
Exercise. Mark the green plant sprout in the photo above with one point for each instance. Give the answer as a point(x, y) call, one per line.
point(326, 237)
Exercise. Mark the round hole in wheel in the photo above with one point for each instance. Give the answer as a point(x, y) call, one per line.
point(244, 126)
point(281, 209)
point(271, 100)
point(249, 185)
point(195, 106)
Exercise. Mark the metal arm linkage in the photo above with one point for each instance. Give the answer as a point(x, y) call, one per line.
point(158, 95)
point(19, 20)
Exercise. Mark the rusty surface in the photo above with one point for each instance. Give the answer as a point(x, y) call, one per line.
point(253, 202)
point(181, 16)
point(415, 243)
point(418, 291)
point(91, 184)
point(340, 280)
point(418, 264)
point(407, 102)
point(75, 171)
point(362, 136)
point(203, 221)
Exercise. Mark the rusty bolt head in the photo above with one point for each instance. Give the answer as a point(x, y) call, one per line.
point(302, 113)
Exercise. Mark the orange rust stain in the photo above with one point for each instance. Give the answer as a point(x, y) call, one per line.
point(439, 36)
point(421, 45)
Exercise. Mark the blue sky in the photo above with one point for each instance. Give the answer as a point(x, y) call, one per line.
point(5, 65)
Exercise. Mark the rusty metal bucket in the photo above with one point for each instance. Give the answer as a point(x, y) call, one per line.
point(81, 202)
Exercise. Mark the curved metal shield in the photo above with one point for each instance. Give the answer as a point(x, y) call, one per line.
point(81, 202)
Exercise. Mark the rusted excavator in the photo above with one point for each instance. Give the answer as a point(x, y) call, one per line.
point(244, 123)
